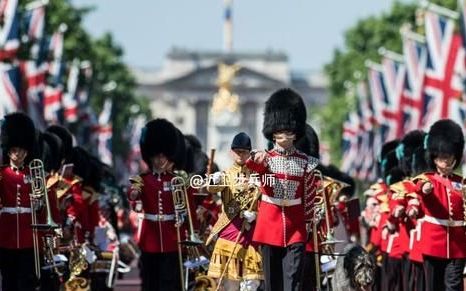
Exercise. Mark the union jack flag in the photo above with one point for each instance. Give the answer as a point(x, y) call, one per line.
point(34, 21)
point(70, 103)
point(35, 82)
point(394, 74)
point(53, 104)
point(104, 133)
point(9, 32)
point(415, 57)
point(445, 69)
point(10, 80)
point(350, 144)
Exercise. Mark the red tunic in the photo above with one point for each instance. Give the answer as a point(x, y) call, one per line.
point(158, 233)
point(443, 228)
point(15, 216)
point(281, 219)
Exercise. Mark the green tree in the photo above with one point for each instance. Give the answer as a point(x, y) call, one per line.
point(362, 42)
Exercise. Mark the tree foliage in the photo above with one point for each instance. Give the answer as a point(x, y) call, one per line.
point(362, 42)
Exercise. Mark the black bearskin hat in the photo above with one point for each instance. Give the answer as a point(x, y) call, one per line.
point(420, 163)
point(81, 163)
point(284, 110)
point(66, 138)
point(18, 130)
point(445, 137)
point(309, 143)
point(159, 136)
point(389, 162)
point(386, 148)
point(394, 175)
point(181, 152)
point(52, 151)
point(407, 147)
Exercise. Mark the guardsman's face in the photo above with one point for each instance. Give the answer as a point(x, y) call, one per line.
point(17, 155)
point(445, 164)
point(240, 156)
point(159, 163)
point(284, 138)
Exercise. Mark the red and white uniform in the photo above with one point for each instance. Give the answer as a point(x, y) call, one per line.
point(157, 232)
point(443, 229)
point(285, 206)
point(15, 215)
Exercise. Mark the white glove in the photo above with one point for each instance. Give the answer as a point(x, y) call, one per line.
point(250, 216)
point(216, 177)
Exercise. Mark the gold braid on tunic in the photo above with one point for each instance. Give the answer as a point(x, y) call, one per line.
point(237, 195)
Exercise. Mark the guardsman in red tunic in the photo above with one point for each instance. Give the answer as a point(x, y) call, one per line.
point(379, 193)
point(443, 205)
point(16, 239)
point(399, 238)
point(158, 235)
point(286, 178)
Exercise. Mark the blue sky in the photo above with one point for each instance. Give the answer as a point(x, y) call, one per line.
point(307, 30)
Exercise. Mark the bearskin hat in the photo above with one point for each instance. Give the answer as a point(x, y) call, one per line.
point(386, 148)
point(445, 137)
point(407, 147)
point(420, 164)
point(394, 175)
point(159, 136)
point(52, 151)
point(309, 143)
point(181, 152)
point(81, 163)
point(389, 162)
point(67, 139)
point(284, 110)
point(18, 130)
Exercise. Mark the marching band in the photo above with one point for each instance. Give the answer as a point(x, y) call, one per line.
point(277, 219)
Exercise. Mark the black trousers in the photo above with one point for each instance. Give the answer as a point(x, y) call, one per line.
point(392, 279)
point(160, 271)
point(416, 278)
point(309, 272)
point(443, 274)
point(17, 268)
point(283, 267)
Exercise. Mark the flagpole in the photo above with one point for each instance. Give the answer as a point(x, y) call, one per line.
point(439, 9)
point(391, 55)
point(406, 32)
point(373, 65)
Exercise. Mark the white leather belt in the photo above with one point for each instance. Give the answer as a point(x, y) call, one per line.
point(281, 202)
point(159, 217)
point(15, 210)
point(444, 222)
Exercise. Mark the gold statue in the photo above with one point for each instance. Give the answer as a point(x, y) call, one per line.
point(225, 98)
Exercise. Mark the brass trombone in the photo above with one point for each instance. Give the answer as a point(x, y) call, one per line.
point(37, 197)
point(182, 212)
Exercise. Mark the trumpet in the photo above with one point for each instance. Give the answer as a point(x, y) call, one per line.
point(38, 196)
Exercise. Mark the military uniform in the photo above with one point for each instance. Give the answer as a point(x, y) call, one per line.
point(16, 239)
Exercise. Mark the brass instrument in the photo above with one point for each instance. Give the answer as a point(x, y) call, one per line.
point(182, 212)
point(37, 197)
point(77, 265)
point(325, 196)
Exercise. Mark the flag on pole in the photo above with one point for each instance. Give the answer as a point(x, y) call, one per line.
point(104, 133)
point(9, 32)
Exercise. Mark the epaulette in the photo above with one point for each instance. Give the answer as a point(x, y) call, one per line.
point(398, 189)
point(421, 177)
point(52, 180)
point(76, 180)
point(137, 182)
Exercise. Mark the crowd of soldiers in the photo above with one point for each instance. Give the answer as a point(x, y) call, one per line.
point(58, 211)
point(277, 219)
